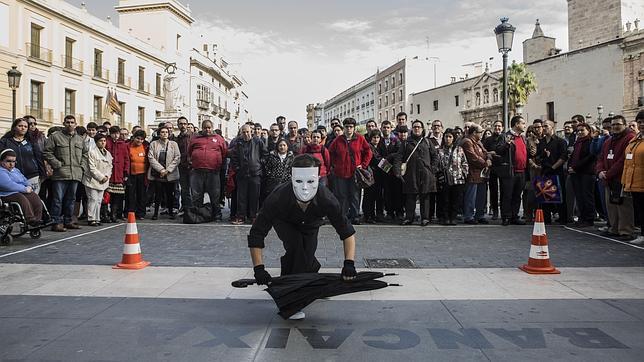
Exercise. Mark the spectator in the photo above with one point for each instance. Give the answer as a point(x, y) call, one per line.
point(331, 136)
point(98, 170)
point(393, 197)
point(582, 174)
point(552, 153)
point(277, 167)
point(372, 203)
point(419, 180)
point(293, 138)
point(274, 136)
point(532, 142)
point(281, 124)
point(124, 134)
point(65, 152)
point(348, 152)
point(512, 154)
point(164, 157)
point(14, 187)
point(633, 175)
point(36, 136)
point(137, 181)
point(317, 150)
point(120, 172)
point(206, 154)
point(92, 129)
point(435, 137)
point(28, 154)
point(609, 169)
point(323, 134)
point(183, 139)
point(370, 126)
point(490, 144)
point(246, 160)
point(401, 118)
point(478, 173)
point(257, 130)
point(453, 165)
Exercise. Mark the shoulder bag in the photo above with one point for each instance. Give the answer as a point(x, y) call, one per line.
point(403, 166)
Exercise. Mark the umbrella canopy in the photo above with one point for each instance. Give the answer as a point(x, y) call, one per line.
point(293, 292)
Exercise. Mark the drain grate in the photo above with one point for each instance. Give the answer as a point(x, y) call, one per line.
point(395, 263)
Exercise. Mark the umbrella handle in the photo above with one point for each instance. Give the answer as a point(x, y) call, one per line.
point(389, 274)
point(394, 285)
point(243, 283)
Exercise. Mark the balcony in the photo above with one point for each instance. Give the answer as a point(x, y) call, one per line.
point(72, 65)
point(101, 74)
point(38, 54)
point(123, 81)
point(144, 88)
point(227, 115)
point(80, 119)
point(44, 115)
point(203, 104)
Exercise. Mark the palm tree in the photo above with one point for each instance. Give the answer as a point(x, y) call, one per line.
point(521, 83)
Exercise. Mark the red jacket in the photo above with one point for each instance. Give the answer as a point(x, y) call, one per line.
point(120, 160)
point(341, 161)
point(614, 166)
point(321, 153)
point(207, 152)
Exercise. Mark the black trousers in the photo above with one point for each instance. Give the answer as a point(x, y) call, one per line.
point(300, 245)
point(450, 198)
point(584, 186)
point(561, 209)
point(136, 194)
point(373, 199)
point(511, 190)
point(116, 205)
point(410, 206)
point(638, 206)
point(434, 205)
point(493, 184)
point(164, 194)
point(248, 196)
point(393, 195)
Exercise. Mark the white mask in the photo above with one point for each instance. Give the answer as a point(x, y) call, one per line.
point(305, 182)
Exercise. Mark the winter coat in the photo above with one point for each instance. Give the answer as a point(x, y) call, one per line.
point(65, 153)
point(12, 182)
point(476, 159)
point(321, 153)
point(120, 160)
point(633, 175)
point(207, 152)
point(421, 168)
point(172, 159)
point(246, 157)
point(344, 165)
point(276, 170)
point(582, 160)
point(616, 145)
point(183, 140)
point(391, 147)
point(28, 156)
point(98, 165)
point(457, 168)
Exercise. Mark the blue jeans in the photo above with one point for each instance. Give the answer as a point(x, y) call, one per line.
point(475, 198)
point(348, 194)
point(62, 207)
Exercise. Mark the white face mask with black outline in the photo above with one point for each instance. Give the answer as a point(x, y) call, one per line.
point(305, 181)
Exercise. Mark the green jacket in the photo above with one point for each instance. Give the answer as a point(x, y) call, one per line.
point(65, 154)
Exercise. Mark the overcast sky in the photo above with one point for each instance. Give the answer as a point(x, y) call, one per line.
point(295, 52)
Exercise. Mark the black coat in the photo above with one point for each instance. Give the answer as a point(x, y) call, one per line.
point(421, 168)
point(246, 157)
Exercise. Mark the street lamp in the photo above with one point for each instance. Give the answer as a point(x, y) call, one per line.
point(600, 111)
point(13, 76)
point(504, 36)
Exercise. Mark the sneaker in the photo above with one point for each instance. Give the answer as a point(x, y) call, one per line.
point(603, 229)
point(297, 316)
point(425, 222)
point(627, 238)
point(638, 241)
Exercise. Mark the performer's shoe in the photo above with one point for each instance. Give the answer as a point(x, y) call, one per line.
point(297, 316)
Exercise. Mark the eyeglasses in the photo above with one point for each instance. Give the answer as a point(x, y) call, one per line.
point(401, 119)
point(33, 123)
point(617, 124)
point(183, 123)
point(292, 128)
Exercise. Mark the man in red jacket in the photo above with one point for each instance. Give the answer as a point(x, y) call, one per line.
point(120, 172)
point(206, 152)
point(348, 152)
point(609, 168)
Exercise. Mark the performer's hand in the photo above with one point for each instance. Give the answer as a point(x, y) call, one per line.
point(349, 270)
point(262, 277)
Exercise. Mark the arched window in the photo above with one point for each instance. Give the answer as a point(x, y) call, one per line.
point(477, 101)
point(486, 96)
point(495, 95)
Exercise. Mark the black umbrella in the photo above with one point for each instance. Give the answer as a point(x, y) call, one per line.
point(293, 292)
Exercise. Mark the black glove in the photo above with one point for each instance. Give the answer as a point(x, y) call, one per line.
point(262, 277)
point(349, 270)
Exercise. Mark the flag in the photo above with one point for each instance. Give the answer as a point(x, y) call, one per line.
point(114, 105)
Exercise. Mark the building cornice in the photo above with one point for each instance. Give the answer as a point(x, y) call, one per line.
point(170, 6)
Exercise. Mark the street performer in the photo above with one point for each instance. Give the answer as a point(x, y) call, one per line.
point(295, 211)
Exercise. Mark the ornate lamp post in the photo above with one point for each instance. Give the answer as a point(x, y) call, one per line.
point(13, 76)
point(504, 36)
point(600, 111)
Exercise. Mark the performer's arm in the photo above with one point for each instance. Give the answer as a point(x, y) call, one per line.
point(256, 256)
point(349, 248)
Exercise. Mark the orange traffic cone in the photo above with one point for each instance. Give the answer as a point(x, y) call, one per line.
point(132, 257)
point(539, 260)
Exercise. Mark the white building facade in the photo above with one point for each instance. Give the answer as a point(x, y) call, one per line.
point(356, 102)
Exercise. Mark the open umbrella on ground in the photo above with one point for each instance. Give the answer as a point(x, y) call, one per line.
point(293, 292)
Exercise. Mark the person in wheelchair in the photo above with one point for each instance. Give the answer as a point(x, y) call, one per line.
point(14, 187)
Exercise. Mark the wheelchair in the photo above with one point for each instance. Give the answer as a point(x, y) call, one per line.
point(13, 223)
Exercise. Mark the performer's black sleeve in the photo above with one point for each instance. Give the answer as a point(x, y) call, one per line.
point(263, 223)
point(333, 211)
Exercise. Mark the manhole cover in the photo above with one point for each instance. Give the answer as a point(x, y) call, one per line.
point(401, 263)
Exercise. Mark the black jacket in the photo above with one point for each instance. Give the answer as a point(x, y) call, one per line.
point(421, 167)
point(558, 150)
point(246, 157)
point(503, 162)
point(29, 158)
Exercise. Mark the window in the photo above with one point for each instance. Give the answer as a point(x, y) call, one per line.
point(34, 50)
point(120, 73)
point(400, 77)
point(477, 101)
point(379, 102)
point(411, 110)
point(393, 97)
point(141, 116)
point(379, 116)
point(121, 119)
point(386, 100)
point(157, 84)
point(401, 108)
point(456, 100)
point(35, 101)
point(69, 52)
point(401, 95)
point(178, 41)
point(495, 95)
point(436, 105)
point(386, 114)
point(550, 108)
point(141, 78)
point(70, 101)
point(386, 84)
point(486, 96)
point(418, 108)
point(393, 81)
point(98, 107)
point(98, 63)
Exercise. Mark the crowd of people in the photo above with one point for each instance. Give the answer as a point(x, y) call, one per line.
point(458, 175)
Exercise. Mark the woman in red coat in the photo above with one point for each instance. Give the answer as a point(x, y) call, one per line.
point(120, 172)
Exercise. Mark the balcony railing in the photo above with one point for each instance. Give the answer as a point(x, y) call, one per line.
point(72, 64)
point(36, 52)
point(101, 74)
point(124, 81)
point(203, 103)
point(45, 115)
point(144, 88)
